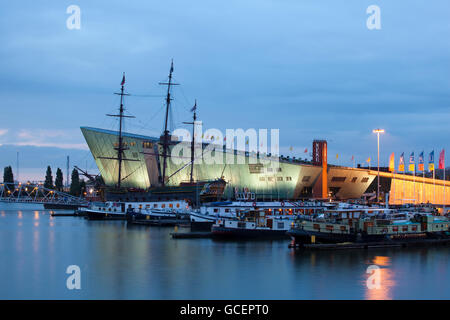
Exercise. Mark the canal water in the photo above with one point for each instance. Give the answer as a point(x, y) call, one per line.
point(117, 261)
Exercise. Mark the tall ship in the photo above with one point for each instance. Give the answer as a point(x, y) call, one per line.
point(140, 168)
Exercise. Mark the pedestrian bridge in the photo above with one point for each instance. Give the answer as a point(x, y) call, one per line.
point(36, 193)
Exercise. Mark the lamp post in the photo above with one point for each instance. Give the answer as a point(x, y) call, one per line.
point(378, 131)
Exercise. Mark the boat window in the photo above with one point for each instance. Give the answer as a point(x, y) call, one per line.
point(354, 179)
point(227, 210)
point(306, 178)
point(171, 205)
point(178, 205)
point(262, 179)
point(216, 210)
point(338, 179)
point(364, 180)
point(163, 205)
point(279, 178)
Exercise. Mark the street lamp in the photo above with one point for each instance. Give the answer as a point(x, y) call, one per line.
point(378, 131)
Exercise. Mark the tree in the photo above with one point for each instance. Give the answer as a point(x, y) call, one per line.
point(75, 184)
point(82, 186)
point(48, 183)
point(59, 180)
point(8, 176)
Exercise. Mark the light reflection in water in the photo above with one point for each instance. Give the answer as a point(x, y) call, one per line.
point(387, 283)
point(19, 214)
point(36, 215)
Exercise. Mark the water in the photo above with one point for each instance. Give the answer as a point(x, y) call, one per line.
point(120, 262)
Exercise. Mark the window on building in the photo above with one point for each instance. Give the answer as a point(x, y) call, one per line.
point(279, 178)
point(147, 144)
point(288, 178)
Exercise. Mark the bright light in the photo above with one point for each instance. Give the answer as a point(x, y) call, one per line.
point(91, 190)
point(378, 131)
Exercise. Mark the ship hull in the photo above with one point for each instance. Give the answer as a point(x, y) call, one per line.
point(235, 233)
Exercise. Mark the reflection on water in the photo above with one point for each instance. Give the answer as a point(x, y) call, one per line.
point(121, 262)
point(386, 282)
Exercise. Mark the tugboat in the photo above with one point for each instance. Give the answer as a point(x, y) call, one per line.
point(204, 217)
point(360, 226)
point(254, 223)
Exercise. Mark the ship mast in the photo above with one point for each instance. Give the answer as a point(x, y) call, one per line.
point(166, 134)
point(120, 148)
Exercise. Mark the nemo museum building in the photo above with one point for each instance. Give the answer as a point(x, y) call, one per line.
point(287, 178)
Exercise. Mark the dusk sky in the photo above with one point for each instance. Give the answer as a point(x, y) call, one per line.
point(309, 68)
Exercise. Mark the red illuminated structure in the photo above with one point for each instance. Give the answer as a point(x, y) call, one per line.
point(320, 159)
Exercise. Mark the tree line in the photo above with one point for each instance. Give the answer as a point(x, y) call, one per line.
point(77, 185)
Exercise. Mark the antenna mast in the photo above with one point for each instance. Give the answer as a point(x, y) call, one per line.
point(194, 108)
point(166, 134)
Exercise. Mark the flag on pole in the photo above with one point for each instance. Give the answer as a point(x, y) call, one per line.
point(123, 80)
point(412, 165)
point(306, 150)
point(368, 159)
point(401, 163)
point(421, 162)
point(431, 161)
point(194, 107)
point(392, 163)
point(353, 158)
point(442, 159)
point(337, 156)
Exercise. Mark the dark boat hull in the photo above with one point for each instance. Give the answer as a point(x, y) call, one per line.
point(95, 215)
point(60, 206)
point(301, 236)
point(223, 232)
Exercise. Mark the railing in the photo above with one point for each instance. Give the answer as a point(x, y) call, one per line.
point(36, 193)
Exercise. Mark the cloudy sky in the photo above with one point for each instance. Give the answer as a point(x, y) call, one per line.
point(310, 68)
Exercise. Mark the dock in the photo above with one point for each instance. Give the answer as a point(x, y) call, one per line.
point(370, 245)
point(191, 235)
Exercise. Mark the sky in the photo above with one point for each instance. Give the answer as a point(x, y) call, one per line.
point(309, 68)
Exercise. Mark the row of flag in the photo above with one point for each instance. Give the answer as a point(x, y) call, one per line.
point(421, 162)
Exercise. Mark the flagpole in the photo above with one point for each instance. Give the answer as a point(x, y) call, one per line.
point(404, 181)
point(423, 181)
point(443, 209)
point(434, 183)
point(414, 183)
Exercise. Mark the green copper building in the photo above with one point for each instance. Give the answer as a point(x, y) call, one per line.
point(283, 179)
